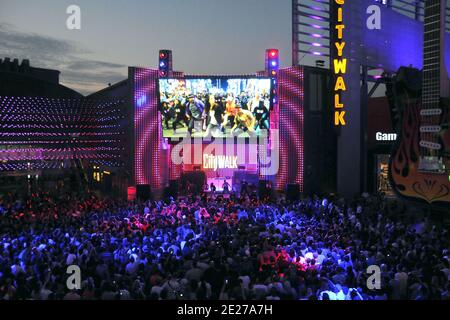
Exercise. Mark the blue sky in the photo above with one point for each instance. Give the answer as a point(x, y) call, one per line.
point(207, 36)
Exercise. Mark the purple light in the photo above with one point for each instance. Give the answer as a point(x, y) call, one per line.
point(141, 100)
point(316, 53)
point(58, 129)
point(315, 44)
point(148, 162)
point(317, 18)
point(315, 35)
point(290, 100)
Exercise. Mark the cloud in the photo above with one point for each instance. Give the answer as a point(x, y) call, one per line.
point(92, 64)
point(65, 56)
point(84, 77)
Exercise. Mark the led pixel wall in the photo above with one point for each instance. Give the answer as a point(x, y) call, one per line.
point(291, 98)
point(150, 163)
point(40, 132)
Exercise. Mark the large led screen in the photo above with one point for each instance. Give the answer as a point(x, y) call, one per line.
point(215, 107)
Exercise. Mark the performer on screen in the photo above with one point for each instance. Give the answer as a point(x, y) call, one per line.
point(179, 112)
point(244, 121)
point(167, 113)
point(254, 102)
point(243, 100)
point(230, 110)
point(261, 114)
point(215, 114)
point(195, 112)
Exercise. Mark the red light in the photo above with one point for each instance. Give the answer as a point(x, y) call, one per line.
point(162, 55)
point(273, 53)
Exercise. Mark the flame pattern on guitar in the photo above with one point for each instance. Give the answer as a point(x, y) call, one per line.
point(404, 174)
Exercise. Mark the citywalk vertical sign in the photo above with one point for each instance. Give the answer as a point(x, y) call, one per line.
point(339, 62)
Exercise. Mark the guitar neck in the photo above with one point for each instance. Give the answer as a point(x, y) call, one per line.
point(435, 78)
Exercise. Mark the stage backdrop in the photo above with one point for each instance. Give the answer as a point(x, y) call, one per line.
point(152, 163)
point(291, 99)
point(150, 155)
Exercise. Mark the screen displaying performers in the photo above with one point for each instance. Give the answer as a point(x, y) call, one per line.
point(215, 107)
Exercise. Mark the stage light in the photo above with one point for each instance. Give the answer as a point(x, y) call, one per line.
point(272, 62)
point(165, 63)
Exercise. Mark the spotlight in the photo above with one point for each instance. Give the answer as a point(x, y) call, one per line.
point(165, 63)
point(272, 62)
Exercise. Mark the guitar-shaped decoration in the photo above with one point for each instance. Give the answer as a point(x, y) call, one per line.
point(419, 166)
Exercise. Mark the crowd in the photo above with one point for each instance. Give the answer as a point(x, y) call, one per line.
point(224, 249)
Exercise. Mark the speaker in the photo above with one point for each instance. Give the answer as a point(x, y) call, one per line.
point(172, 190)
point(247, 176)
point(143, 192)
point(195, 178)
point(293, 192)
point(263, 190)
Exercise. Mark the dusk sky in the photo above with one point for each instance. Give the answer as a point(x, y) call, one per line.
point(206, 36)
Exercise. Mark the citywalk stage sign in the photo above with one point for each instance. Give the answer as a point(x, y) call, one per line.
point(339, 65)
point(367, 32)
